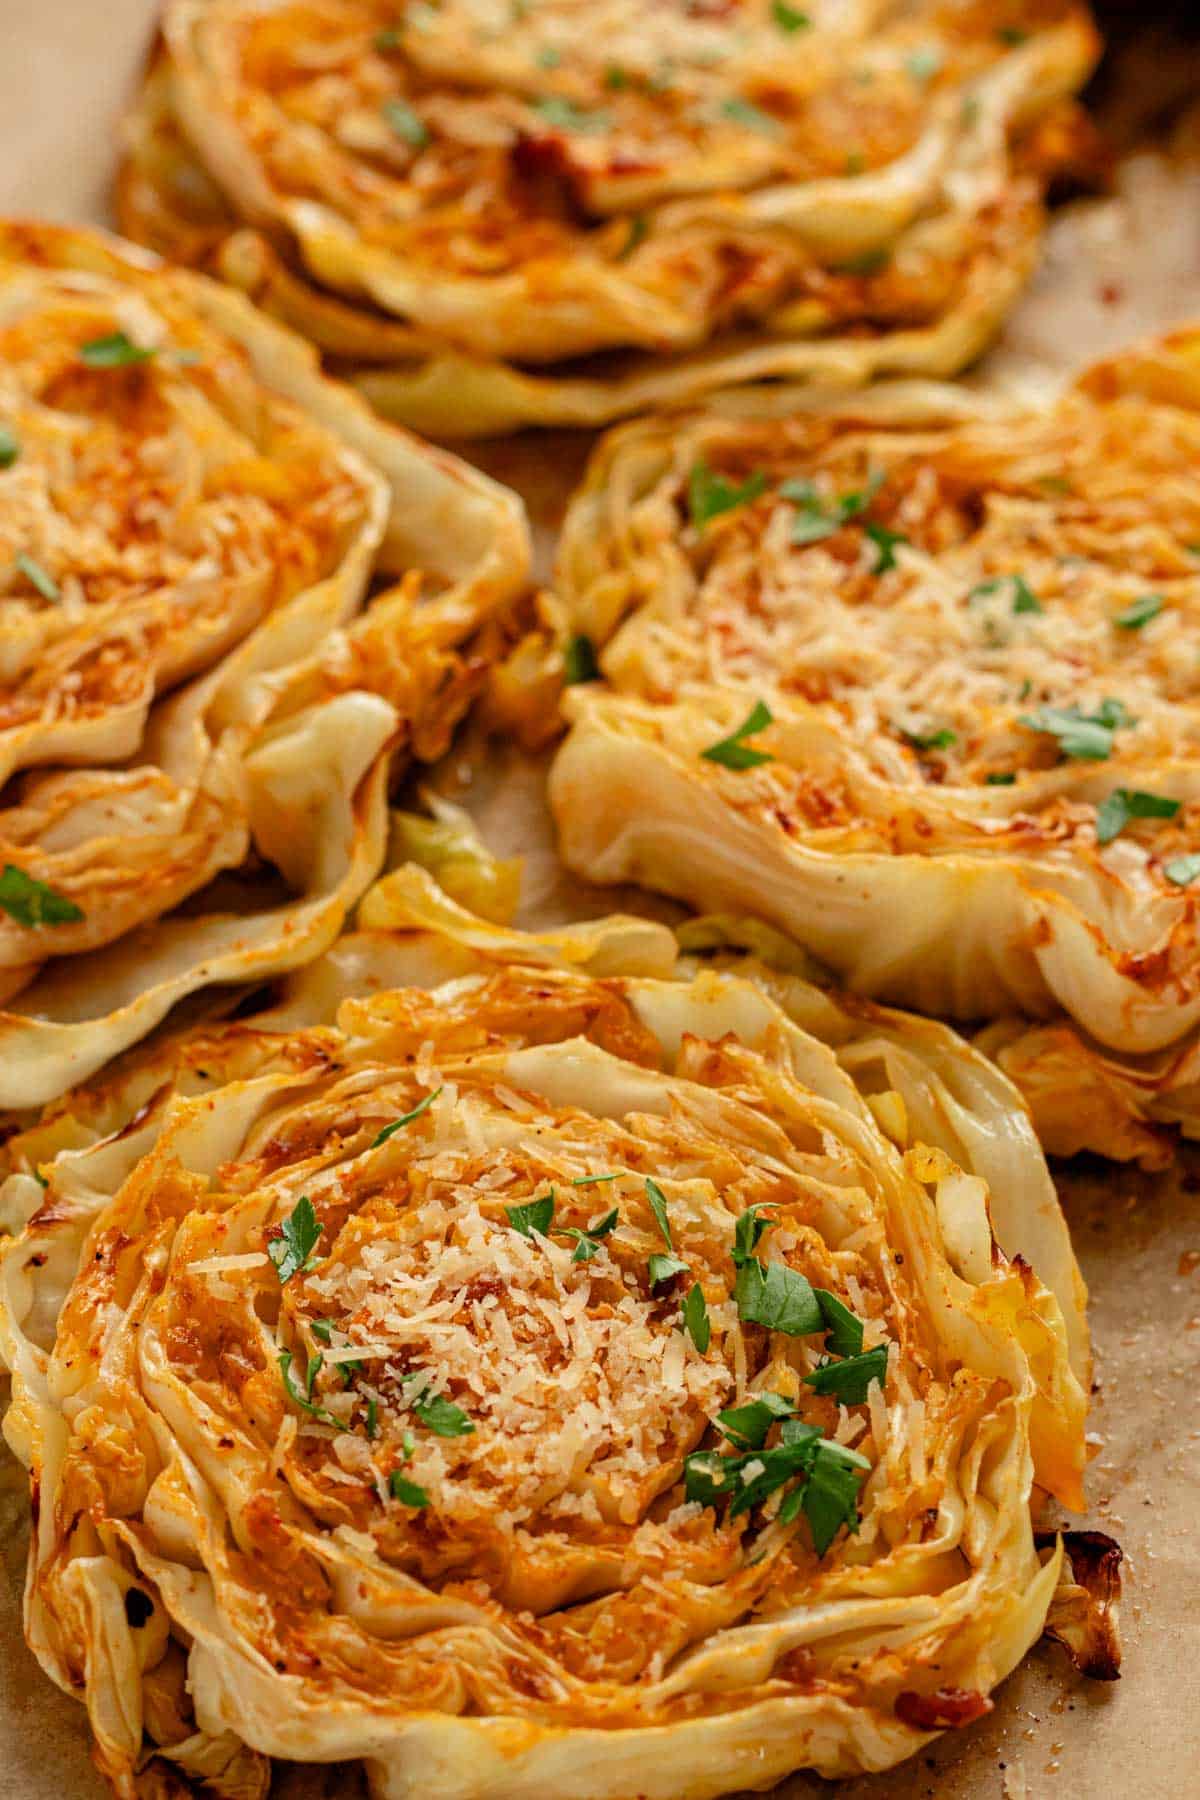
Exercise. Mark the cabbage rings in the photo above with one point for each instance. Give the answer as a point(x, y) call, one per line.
point(190, 517)
point(566, 212)
point(913, 678)
point(541, 1365)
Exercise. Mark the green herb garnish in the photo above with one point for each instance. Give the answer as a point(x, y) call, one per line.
point(37, 576)
point(1182, 869)
point(789, 18)
point(849, 1379)
point(733, 752)
point(827, 1492)
point(562, 114)
point(744, 112)
point(406, 1119)
point(1124, 804)
point(579, 661)
point(1024, 600)
point(302, 1397)
point(409, 1493)
point(1000, 778)
point(116, 351)
point(1088, 736)
point(10, 447)
point(31, 902)
point(817, 518)
point(441, 1416)
point(639, 226)
point(535, 1215)
point(924, 64)
point(709, 494)
point(590, 1180)
point(406, 123)
point(372, 1418)
point(664, 1268)
point(930, 740)
point(588, 1242)
point(292, 1252)
point(885, 542)
point(1139, 612)
point(747, 1426)
point(615, 78)
point(694, 1319)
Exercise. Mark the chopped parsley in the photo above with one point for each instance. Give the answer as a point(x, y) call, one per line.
point(116, 351)
point(746, 1233)
point(744, 112)
point(639, 226)
point(1139, 612)
point(849, 1379)
point(1088, 736)
point(1000, 778)
point(535, 1215)
point(31, 902)
point(747, 1426)
point(372, 1418)
point(827, 1492)
point(405, 1119)
point(869, 262)
point(658, 1206)
point(406, 123)
point(930, 740)
point(780, 1298)
point(37, 576)
point(1024, 600)
point(579, 660)
point(694, 1318)
point(709, 494)
point(588, 1242)
point(562, 114)
point(292, 1252)
point(10, 447)
point(549, 57)
point(440, 1415)
point(925, 63)
point(409, 1493)
point(590, 1180)
point(1182, 869)
point(817, 518)
point(1124, 804)
point(389, 39)
point(664, 1268)
point(885, 542)
point(615, 78)
point(302, 1397)
point(733, 752)
point(789, 18)
point(1011, 34)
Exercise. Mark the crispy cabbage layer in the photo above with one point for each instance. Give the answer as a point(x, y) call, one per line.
point(576, 209)
point(367, 1358)
point(912, 677)
point(191, 516)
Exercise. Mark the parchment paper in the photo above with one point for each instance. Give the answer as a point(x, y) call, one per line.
point(1113, 269)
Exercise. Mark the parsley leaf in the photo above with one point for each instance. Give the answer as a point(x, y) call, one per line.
point(744, 112)
point(1182, 869)
point(849, 1379)
point(817, 518)
point(615, 77)
point(747, 1426)
point(658, 1206)
point(930, 740)
point(780, 1298)
point(1139, 612)
point(590, 1180)
point(710, 494)
point(639, 228)
point(830, 1495)
point(31, 902)
point(409, 1493)
point(1085, 735)
point(925, 63)
point(845, 1332)
point(440, 1415)
point(535, 1215)
point(588, 1242)
point(302, 1397)
point(563, 115)
point(406, 123)
point(1123, 804)
point(885, 542)
point(292, 1252)
point(664, 1268)
point(788, 18)
point(1000, 778)
point(10, 447)
point(694, 1318)
point(579, 660)
point(1024, 600)
point(372, 1418)
point(389, 39)
point(37, 576)
point(116, 351)
point(732, 753)
point(406, 1119)
point(746, 1233)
